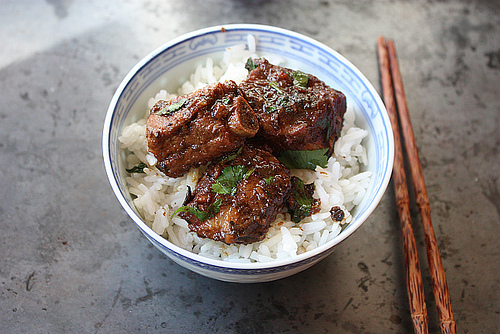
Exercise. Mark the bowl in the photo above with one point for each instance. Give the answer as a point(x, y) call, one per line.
point(171, 64)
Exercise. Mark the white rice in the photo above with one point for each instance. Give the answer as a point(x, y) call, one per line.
point(157, 196)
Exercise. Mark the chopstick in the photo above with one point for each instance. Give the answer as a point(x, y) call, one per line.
point(439, 284)
point(414, 283)
point(390, 69)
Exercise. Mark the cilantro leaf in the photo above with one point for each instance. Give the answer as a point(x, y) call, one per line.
point(304, 159)
point(172, 107)
point(269, 179)
point(250, 65)
point(274, 85)
point(300, 78)
point(201, 215)
point(269, 109)
point(227, 181)
point(248, 173)
point(302, 200)
point(283, 101)
point(137, 169)
point(233, 156)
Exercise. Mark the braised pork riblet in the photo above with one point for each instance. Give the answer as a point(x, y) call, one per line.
point(195, 129)
point(239, 197)
point(296, 111)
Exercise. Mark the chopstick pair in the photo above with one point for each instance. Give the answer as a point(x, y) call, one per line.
point(393, 92)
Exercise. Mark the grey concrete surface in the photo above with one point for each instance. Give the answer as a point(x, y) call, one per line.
point(71, 261)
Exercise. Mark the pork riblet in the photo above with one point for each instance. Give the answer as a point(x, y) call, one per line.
point(296, 111)
point(195, 129)
point(239, 196)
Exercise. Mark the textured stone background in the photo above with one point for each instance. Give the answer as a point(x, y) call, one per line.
point(72, 261)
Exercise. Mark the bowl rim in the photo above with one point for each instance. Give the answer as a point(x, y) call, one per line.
point(252, 266)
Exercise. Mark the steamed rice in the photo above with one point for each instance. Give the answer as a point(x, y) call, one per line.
point(156, 196)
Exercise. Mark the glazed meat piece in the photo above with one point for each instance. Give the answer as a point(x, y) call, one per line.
point(195, 129)
point(238, 198)
point(296, 111)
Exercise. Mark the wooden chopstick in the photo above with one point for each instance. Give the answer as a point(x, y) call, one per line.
point(414, 283)
point(439, 285)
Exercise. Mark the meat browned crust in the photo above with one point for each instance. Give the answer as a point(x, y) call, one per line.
point(294, 116)
point(195, 129)
point(245, 216)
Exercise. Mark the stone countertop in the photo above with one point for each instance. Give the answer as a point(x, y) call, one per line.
point(73, 261)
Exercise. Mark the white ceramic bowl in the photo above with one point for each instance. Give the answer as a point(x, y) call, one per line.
point(171, 64)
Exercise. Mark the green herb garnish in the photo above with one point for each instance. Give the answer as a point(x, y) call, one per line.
point(172, 107)
point(304, 159)
point(201, 215)
point(233, 156)
point(228, 180)
point(283, 101)
point(250, 65)
point(248, 173)
point(302, 194)
point(300, 78)
point(274, 85)
point(138, 169)
point(269, 109)
point(269, 179)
